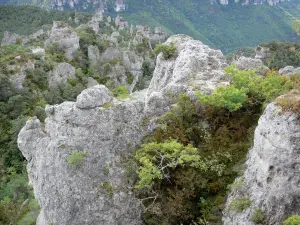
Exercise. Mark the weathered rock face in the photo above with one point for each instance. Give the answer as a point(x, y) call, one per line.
point(61, 73)
point(65, 36)
point(289, 70)
point(196, 66)
point(19, 78)
point(271, 181)
point(103, 129)
point(245, 63)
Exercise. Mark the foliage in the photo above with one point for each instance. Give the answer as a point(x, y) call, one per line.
point(258, 217)
point(223, 139)
point(230, 98)
point(290, 101)
point(296, 26)
point(239, 205)
point(76, 159)
point(121, 92)
point(292, 220)
point(25, 20)
point(282, 54)
point(158, 159)
point(223, 27)
point(169, 51)
point(247, 88)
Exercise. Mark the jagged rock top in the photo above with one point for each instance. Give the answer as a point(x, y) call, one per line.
point(93, 97)
point(196, 66)
point(102, 129)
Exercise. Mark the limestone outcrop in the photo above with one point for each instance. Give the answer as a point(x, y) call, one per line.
point(289, 70)
point(245, 63)
point(271, 181)
point(60, 74)
point(65, 36)
point(76, 161)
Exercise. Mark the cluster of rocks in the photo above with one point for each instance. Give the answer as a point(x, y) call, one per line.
point(106, 129)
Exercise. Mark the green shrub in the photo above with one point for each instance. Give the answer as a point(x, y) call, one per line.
point(167, 50)
point(247, 88)
point(121, 92)
point(157, 159)
point(229, 98)
point(258, 217)
point(239, 205)
point(76, 159)
point(292, 220)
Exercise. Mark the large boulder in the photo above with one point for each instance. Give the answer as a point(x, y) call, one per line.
point(245, 63)
point(289, 70)
point(271, 181)
point(93, 97)
point(76, 162)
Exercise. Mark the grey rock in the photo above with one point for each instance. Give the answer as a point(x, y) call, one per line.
point(65, 36)
point(10, 38)
point(289, 70)
point(196, 65)
point(91, 82)
point(93, 54)
point(18, 79)
point(111, 53)
point(262, 53)
point(87, 194)
point(95, 21)
point(93, 97)
point(60, 74)
point(271, 180)
point(245, 63)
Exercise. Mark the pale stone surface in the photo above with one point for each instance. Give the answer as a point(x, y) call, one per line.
point(245, 63)
point(18, 79)
point(60, 74)
point(106, 129)
point(271, 181)
point(93, 97)
point(289, 70)
point(65, 36)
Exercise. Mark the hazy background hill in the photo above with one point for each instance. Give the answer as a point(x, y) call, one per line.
point(227, 27)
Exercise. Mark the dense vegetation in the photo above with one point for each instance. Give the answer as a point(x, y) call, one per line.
point(282, 54)
point(224, 27)
point(186, 166)
point(25, 20)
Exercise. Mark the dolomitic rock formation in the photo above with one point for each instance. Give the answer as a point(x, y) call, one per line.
point(245, 63)
point(97, 131)
point(60, 75)
point(271, 181)
point(65, 36)
point(289, 70)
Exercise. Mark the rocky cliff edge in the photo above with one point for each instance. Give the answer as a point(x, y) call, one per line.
point(75, 158)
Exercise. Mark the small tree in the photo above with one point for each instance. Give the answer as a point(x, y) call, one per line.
point(169, 51)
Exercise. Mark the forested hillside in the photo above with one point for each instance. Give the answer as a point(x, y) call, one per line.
point(226, 27)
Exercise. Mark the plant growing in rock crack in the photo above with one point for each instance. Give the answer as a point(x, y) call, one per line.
point(239, 205)
point(76, 159)
point(169, 51)
point(258, 217)
point(121, 92)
